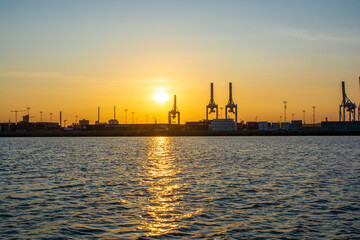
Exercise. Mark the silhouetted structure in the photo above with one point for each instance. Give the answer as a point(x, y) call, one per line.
point(60, 119)
point(16, 111)
point(174, 112)
point(285, 106)
point(231, 106)
point(113, 121)
point(98, 121)
point(314, 114)
point(346, 106)
point(359, 104)
point(212, 106)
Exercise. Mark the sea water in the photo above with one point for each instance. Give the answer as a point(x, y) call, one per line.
point(180, 187)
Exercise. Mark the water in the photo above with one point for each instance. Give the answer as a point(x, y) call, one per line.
point(180, 187)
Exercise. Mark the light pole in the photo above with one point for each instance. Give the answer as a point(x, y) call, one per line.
point(304, 115)
point(51, 117)
point(314, 114)
point(41, 116)
point(285, 102)
point(126, 116)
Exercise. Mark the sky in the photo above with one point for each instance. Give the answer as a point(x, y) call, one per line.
point(73, 56)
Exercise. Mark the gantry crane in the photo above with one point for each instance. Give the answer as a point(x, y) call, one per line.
point(212, 106)
point(173, 112)
point(359, 104)
point(346, 105)
point(231, 107)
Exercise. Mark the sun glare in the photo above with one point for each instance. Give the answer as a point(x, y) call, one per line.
point(161, 97)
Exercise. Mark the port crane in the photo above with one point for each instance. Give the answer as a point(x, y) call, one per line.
point(212, 106)
point(16, 111)
point(346, 106)
point(231, 107)
point(173, 112)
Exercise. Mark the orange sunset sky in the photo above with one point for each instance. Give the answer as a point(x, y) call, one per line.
point(73, 56)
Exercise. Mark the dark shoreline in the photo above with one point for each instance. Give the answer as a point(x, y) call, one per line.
point(176, 133)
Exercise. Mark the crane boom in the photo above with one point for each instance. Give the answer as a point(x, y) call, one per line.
point(16, 111)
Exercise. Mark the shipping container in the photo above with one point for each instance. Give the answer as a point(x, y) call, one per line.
point(285, 126)
point(252, 125)
point(263, 126)
point(275, 126)
point(223, 125)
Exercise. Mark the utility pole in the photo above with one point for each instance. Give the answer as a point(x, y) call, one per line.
point(41, 116)
point(51, 117)
point(285, 102)
point(76, 117)
point(314, 114)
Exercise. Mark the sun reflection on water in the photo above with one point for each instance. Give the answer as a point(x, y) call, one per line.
point(162, 175)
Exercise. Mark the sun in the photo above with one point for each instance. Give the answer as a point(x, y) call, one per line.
point(161, 97)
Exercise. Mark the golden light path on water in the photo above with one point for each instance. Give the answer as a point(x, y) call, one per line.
point(165, 206)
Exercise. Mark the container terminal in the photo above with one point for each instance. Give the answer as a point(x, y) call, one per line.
point(228, 126)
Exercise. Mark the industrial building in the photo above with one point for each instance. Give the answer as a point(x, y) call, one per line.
point(347, 122)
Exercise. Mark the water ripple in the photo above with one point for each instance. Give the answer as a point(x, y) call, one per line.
point(181, 187)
